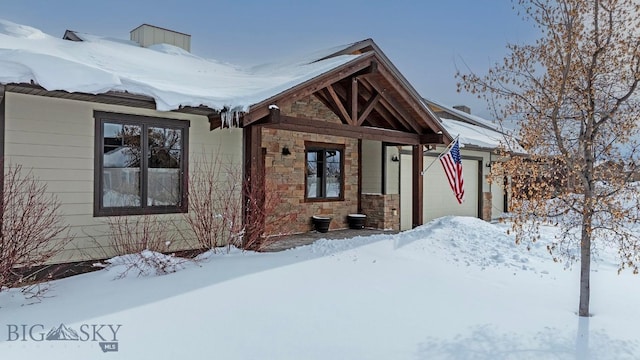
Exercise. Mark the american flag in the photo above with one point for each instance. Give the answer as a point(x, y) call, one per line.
point(452, 165)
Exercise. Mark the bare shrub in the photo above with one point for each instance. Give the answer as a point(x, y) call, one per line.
point(227, 209)
point(261, 200)
point(139, 241)
point(145, 263)
point(32, 230)
point(133, 234)
point(215, 202)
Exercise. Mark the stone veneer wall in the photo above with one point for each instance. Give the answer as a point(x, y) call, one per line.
point(382, 211)
point(285, 174)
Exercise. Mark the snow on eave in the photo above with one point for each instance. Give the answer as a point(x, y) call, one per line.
point(473, 136)
point(273, 99)
point(98, 65)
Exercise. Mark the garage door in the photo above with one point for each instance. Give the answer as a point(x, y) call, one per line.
point(439, 200)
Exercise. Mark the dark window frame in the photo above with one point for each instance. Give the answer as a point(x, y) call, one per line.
point(145, 122)
point(310, 146)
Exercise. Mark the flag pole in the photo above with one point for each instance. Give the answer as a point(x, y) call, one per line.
point(440, 155)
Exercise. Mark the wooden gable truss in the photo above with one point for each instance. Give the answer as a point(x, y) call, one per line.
point(370, 101)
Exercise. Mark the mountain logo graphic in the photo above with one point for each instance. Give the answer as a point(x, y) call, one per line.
point(62, 333)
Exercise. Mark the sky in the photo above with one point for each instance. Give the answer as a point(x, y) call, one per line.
point(427, 40)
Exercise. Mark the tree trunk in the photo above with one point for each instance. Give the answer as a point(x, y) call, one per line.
point(585, 260)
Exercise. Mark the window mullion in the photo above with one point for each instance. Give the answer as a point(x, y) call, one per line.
point(144, 162)
point(324, 173)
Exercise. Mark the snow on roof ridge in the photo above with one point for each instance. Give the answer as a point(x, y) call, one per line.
point(20, 31)
point(474, 119)
point(174, 80)
point(88, 37)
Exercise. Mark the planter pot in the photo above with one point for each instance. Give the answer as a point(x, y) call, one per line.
point(321, 223)
point(356, 221)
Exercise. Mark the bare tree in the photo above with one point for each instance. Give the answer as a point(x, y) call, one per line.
point(32, 231)
point(575, 94)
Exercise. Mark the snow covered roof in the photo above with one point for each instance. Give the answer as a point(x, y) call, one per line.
point(474, 131)
point(473, 135)
point(463, 116)
point(171, 76)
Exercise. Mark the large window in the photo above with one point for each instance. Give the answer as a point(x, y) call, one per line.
point(141, 165)
point(324, 173)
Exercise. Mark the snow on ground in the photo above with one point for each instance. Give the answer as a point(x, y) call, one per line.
point(456, 288)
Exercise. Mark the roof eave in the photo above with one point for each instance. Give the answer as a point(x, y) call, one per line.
point(261, 109)
point(370, 45)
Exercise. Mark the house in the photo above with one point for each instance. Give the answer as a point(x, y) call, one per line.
point(479, 139)
point(114, 128)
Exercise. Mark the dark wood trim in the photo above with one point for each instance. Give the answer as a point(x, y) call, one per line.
point(404, 89)
point(324, 145)
point(359, 176)
point(323, 96)
point(97, 165)
point(312, 145)
point(255, 151)
point(254, 175)
point(184, 176)
point(362, 64)
point(400, 113)
point(368, 107)
point(354, 101)
point(344, 115)
point(102, 117)
point(215, 121)
point(388, 70)
point(110, 97)
point(394, 108)
point(274, 114)
point(418, 186)
point(383, 160)
point(505, 195)
point(345, 101)
point(3, 115)
point(432, 139)
point(480, 189)
point(246, 171)
point(316, 126)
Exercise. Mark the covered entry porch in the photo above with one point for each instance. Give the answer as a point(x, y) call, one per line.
point(313, 149)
